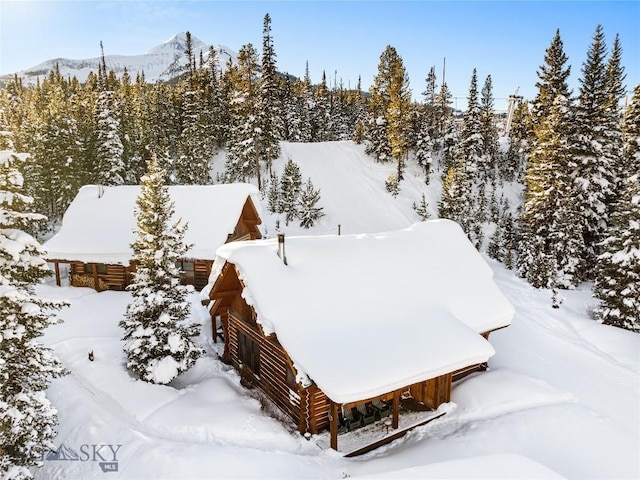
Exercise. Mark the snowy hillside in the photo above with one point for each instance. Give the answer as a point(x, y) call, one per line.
point(561, 397)
point(352, 190)
point(162, 62)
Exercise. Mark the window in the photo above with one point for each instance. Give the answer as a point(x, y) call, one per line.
point(249, 353)
point(101, 268)
point(187, 271)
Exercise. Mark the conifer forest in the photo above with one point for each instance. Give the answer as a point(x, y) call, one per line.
point(575, 153)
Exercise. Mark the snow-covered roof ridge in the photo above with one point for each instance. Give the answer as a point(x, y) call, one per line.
point(341, 297)
point(99, 224)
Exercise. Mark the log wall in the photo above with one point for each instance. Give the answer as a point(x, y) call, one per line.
point(272, 378)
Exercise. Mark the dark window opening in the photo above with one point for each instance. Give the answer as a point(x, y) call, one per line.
point(249, 353)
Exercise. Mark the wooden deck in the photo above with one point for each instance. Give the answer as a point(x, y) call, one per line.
point(366, 439)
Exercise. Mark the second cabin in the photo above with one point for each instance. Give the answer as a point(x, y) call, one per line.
point(339, 330)
point(93, 246)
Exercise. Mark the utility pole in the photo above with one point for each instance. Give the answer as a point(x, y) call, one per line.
point(513, 101)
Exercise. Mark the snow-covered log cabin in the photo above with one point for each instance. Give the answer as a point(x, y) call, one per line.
point(327, 326)
point(97, 231)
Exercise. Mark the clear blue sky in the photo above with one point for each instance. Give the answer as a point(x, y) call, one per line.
point(504, 39)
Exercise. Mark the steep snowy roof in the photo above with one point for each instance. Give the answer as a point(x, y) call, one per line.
point(362, 315)
point(100, 228)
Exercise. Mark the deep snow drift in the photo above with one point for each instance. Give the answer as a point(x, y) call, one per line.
point(562, 393)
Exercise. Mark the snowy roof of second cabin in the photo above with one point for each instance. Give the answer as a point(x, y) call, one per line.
point(363, 315)
point(100, 228)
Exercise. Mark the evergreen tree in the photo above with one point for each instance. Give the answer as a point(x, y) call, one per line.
point(109, 167)
point(306, 108)
point(291, 117)
point(27, 419)
point(128, 133)
point(273, 203)
point(194, 146)
point(550, 250)
point(618, 267)
point(424, 148)
point(470, 161)
point(618, 280)
point(631, 133)
point(422, 208)
point(452, 204)
point(488, 130)
point(270, 111)
point(592, 169)
point(308, 212)
point(388, 123)
point(53, 174)
point(321, 120)
point(243, 156)
point(551, 247)
point(290, 187)
point(157, 340)
point(612, 131)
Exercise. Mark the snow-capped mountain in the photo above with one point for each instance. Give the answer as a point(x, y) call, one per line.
point(163, 62)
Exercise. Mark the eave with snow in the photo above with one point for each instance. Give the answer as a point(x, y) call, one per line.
point(356, 322)
point(98, 229)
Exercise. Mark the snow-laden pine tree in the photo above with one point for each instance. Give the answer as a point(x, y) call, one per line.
point(489, 132)
point(592, 169)
point(308, 211)
point(269, 109)
point(612, 132)
point(157, 339)
point(321, 119)
point(422, 208)
point(273, 196)
point(109, 166)
point(290, 187)
point(27, 419)
point(426, 127)
point(469, 161)
point(618, 267)
point(243, 155)
point(550, 249)
point(194, 146)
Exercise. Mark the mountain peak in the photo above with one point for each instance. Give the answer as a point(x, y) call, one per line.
point(163, 62)
point(179, 42)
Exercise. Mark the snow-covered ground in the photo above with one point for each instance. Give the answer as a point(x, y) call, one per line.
point(561, 397)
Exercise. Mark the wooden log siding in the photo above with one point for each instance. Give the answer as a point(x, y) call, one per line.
point(202, 269)
point(114, 277)
point(273, 365)
point(320, 407)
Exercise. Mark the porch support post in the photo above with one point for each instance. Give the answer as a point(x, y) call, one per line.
point(95, 276)
point(333, 425)
point(395, 421)
point(224, 320)
point(56, 267)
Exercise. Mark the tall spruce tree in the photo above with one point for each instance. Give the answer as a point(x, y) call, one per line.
point(389, 118)
point(612, 132)
point(308, 211)
point(550, 250)
point(27, 419)
point(270, 110)
point(591, 169)
point(290, 188)
point(243, 156)
point(156, 338)
point(489, 131)
point(109, 166)
point(618, 268)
